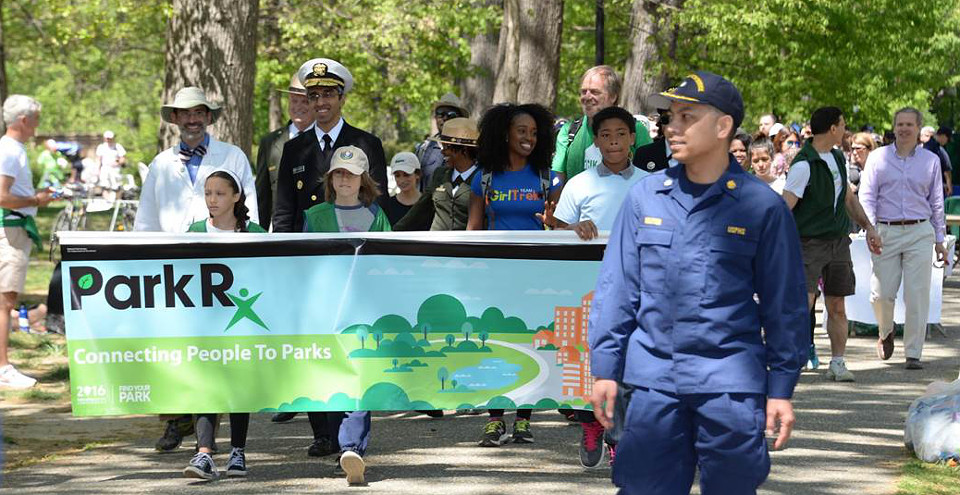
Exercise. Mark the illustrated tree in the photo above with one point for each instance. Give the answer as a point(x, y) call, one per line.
point(450, 339)
point(484, 336)
point(362, 333)
point(466, 329)
point(426, 330)
point(442, 375)
point(444, 313)
point(453, 384)
point(378, 337)
point(395, 363)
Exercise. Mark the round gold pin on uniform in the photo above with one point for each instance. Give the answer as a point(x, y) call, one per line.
point(731, 184)
point(299, 184)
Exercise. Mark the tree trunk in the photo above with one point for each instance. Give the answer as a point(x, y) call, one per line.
point(529, 52)
point(477, 90)
point(212, 45)
point(653, 41)
point(542, 27)
point(271, 49)
point(508, 54)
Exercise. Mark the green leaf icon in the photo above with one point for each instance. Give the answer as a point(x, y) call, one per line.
point(85, 281)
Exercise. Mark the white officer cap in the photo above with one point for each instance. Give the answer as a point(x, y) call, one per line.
point(325, 72)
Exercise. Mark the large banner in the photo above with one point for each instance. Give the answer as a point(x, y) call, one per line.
point(312, 322)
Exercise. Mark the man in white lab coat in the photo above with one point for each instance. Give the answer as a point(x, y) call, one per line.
point(172, 194)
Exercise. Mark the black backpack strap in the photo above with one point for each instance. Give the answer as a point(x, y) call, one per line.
point(485, 180)
point(574, 129)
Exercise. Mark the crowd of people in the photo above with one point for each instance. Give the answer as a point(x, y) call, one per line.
point(714, 234)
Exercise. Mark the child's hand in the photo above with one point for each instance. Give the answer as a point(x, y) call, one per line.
point(547, 216)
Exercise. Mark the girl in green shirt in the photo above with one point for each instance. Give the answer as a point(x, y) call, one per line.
point(226, 204)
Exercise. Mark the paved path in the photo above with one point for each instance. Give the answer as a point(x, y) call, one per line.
point(849, 441)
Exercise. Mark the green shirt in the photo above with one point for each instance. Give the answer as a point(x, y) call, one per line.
point(572, 158)
point(323, 218)
point(201, 226)
point(49, 165)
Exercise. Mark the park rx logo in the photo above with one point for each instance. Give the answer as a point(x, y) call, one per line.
point(167, 289)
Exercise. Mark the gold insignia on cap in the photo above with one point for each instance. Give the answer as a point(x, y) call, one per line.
point(736, 230)
point(299, 184)
point(320, 70)
point(731, 184)
point(668, 182)
point(652, 221)
point(313, 198)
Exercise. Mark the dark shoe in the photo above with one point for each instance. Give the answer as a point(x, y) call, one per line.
point(283, 417)
point(913, 364)
point(885, 347)
point(591, 445)
point(201, 466)
point(237, 465)
point(353, 466)
point(172, 437)
point(494, 433)
point(435, 413)
point(521, 431)
point(569, 414)
point(322, 447)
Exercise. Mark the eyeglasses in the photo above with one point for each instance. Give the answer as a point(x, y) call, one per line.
point(858, 147)
point(326, 94)
point(793, 144)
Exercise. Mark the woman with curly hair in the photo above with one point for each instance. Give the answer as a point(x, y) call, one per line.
point(512, 193)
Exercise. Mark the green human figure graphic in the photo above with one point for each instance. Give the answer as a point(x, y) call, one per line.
point(245, 309)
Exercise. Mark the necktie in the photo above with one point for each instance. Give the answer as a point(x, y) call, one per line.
point(186, 153)
point(327, 150)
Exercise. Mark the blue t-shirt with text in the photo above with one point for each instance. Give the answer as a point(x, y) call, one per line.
point(514, 198)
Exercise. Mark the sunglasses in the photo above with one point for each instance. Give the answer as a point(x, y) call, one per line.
point(793, 144)
point(447, 114)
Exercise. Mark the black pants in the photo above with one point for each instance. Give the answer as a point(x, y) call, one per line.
point(521, 413)
point(239, 423)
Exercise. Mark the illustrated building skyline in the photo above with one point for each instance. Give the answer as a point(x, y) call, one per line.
point(570, 325)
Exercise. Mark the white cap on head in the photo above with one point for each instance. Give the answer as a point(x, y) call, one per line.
point(775, 129)
point(325, 72)
point(351, 159)
point(108, 135)
point(405, 162)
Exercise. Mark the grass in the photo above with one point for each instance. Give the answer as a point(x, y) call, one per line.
point(921, 478)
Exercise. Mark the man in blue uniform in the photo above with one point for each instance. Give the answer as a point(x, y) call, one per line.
point(700, 258)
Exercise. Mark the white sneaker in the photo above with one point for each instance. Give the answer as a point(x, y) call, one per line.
point(838, 372)
point(353, 467)
point(10, 377)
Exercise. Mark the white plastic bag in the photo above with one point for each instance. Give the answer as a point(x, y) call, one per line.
point(933, 423)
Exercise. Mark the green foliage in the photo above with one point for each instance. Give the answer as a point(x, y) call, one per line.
point(94, 65)
point(392, 324)
point(393, 348)
point(337, 402)
point(501, 402)
point(443, 374)
point(444, 313)
point(920, 478)
point(791, 57)
point(465, 346)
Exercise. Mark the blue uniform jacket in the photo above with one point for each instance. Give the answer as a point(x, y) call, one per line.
point(674, 308)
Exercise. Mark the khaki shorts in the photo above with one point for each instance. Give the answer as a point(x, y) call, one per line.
point(15, 246)
point(829, 259)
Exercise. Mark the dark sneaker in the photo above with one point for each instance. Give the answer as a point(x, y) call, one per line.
point(353, 466)
point(569, 414)
point(813, 361)
point(521, 431)
point(885, 347)
point(613, 453)
point(913, 364)
point(237, 465)
point(202, 467)
point(172, 437)
point(591, 445)
point(436, 413)
point(283, 417)
point(494, 433)
point(322, 447)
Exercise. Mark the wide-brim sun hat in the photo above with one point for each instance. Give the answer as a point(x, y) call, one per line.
point(188, 98)
point(296, 87)
point(460, 131)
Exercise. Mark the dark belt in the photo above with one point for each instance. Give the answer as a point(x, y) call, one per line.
point(902, 222)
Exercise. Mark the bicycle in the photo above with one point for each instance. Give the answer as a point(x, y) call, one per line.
point(72, 217)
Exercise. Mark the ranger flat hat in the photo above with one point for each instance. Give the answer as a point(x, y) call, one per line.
point(460, 131)
point(449, 100)
point(704, 88)
point(325, 72)
point(187, 98)
point(296, 87)
point(351, 159)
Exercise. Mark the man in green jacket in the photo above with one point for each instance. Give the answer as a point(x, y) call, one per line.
point(818, 193)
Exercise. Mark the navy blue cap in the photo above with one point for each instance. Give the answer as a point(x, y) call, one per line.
point(704, 88)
